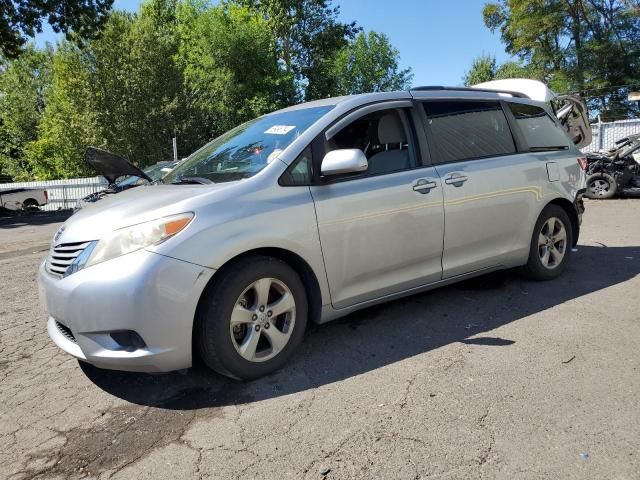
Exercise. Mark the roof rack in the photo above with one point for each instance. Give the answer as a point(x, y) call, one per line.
point(469, 89)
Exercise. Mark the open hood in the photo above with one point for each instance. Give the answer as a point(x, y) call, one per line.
point(111, 166)
point(570, 109)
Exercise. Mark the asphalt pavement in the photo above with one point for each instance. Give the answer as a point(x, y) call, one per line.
point(497, 377)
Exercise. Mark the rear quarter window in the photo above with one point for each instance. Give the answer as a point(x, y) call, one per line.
point(537, 127)
point(464, 130)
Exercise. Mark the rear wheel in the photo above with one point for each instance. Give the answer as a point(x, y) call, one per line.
point(550, 244)
point(600, 186)
point(252, 320)
point(30, 205)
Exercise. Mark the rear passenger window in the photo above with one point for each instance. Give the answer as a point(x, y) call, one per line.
point(465, 130)
point(540, 132)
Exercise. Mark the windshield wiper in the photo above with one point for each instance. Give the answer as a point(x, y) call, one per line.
point(192, 181)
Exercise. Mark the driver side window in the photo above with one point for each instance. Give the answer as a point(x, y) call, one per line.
point(384, 136)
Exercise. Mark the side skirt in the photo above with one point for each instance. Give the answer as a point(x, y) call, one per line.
point(329, 313)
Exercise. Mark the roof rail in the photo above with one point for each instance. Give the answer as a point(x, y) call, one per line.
point(469, 89)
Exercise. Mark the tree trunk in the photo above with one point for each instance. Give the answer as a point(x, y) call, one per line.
point(576, 35)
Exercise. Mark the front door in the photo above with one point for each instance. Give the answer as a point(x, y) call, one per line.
point(381, 232)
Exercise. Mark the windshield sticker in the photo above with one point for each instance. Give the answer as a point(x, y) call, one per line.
point(279, 129)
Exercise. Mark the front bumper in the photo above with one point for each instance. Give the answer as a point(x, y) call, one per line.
point(151, 294)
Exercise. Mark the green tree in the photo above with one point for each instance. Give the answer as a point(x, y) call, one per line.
point(179, 67)
point(136, 83)
point(20, 19)
point(176, 68)
point(23, 86)
point(68, 123)
point(515, 69)
point(590, 47)
point(485, 68)
point(369, 63)
point(230, 66)
point(123, 92)
point(308, 37)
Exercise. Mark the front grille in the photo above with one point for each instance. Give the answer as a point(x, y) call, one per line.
point(64, 330)
point(62, 256)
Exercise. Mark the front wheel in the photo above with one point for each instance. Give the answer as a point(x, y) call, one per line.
point(550, 244)
point(600, 186)
point(252, 319)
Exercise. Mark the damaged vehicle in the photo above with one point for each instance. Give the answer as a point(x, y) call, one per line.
point(113, 168)
point(616, 172)
point(27, 199)
point(312, 212)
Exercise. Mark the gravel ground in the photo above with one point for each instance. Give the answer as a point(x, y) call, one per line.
point(492, 378)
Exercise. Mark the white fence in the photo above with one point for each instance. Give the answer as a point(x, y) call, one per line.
point(62, 193)
point(605, 134)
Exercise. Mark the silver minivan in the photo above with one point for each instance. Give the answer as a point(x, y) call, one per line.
point(312, 212)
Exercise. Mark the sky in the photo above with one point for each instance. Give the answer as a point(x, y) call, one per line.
point(437, 39)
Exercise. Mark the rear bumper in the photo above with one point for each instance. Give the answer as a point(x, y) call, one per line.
point(150, 294)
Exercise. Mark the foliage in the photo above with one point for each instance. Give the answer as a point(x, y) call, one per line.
point(183, 68)
point(482, 69)
point(68, 122)
point(23, 85)
point(23, 18)
point(173, 69)
point(230, 66)
point(591, 47)
point(370, 64)
point(137, 87)
point(308, 37)
point(485, 68)
point(515, 69)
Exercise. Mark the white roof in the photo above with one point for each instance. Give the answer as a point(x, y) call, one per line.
point(533, 89)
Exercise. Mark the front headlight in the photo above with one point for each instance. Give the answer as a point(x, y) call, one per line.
point(136, 237)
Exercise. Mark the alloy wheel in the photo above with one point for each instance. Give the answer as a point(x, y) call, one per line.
point(552, 243)
point(262, 320)
point(599, 187)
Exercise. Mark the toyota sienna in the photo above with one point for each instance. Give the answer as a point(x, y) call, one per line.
point(312, 212)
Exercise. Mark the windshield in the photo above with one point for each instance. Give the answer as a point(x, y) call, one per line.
point(155, 172)
point(247, 149)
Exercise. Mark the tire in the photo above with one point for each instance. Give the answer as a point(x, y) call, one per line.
point(30, 205)
point(601, 186)
point(546, 263)
point(256, 346)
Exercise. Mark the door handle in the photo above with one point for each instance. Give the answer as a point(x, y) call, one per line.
point(455, 179)
point(424, 185)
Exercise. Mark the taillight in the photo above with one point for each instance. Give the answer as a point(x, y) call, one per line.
point(584, 163)
point(46, 196)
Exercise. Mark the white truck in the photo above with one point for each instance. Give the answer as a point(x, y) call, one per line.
point(23, 198)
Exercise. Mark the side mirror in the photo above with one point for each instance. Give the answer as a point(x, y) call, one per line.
point(348, 160)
